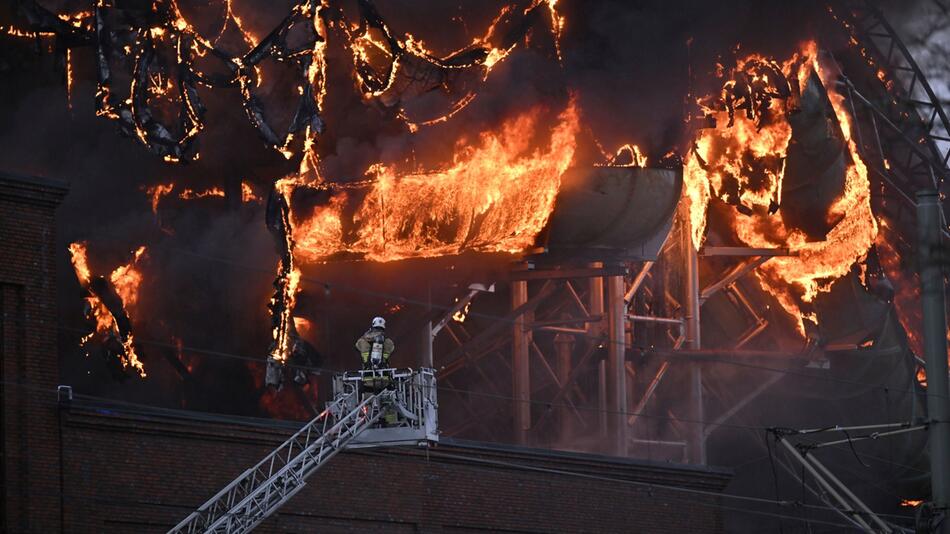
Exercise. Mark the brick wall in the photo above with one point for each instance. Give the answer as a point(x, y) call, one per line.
point(129, 472)
point(29, 449)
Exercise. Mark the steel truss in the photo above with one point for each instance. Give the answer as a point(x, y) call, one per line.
point(903, 134)
point(902, 130)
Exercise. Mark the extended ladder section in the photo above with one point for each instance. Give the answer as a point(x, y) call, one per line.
point(397, 405)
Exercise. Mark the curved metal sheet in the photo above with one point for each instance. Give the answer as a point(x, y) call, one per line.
point(613, 213)
point(816, 163)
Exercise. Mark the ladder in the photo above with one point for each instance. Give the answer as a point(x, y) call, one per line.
point(370, 408)
point(262, 489)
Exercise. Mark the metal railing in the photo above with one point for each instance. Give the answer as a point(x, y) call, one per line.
point(263, 488)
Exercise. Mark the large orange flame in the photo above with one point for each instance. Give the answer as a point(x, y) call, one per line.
point(727, 152)
point(495, 196)
point(126, 280)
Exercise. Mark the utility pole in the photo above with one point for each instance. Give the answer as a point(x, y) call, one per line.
point(933, 300)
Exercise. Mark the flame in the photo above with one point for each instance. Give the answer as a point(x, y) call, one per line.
point(229, 16)
point(911, 502)
point(906, 285)
point(69, 79)
point(126, 280)
point(496, 196)
point(247, 193)
point(386, 54)
point(159, 191)
point(460, 315)
point(28, 34)
point(626, 152)
point(77, 253)
point(752, 151)
point(305, 328)
point(189, 194)
point(288, 280)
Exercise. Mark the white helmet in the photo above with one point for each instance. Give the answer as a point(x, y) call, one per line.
point(379, 322)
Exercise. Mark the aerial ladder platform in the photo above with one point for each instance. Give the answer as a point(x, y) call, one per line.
point(370, 408)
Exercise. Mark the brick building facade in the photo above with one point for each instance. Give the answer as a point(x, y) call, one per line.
point(85, 466)
point(29, 371)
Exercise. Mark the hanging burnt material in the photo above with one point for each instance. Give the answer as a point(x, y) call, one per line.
point(147, 71)
point(106, 305)
point(752, 91)
point(116, 343)
point(287, 346)
point(393, 70)
point(151, 63)
point(816, 165)
point(281, 304)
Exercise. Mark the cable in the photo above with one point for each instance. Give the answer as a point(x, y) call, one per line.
point(768, 445)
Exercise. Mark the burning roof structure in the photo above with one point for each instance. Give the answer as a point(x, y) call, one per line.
point(747, 248)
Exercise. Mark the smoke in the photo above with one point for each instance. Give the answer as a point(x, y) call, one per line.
point(633, 68)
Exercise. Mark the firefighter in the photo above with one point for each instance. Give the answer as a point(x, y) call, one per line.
point(374, 347)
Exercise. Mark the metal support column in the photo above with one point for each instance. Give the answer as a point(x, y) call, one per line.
point(520, 371)
point(595, 306)
point(602, 396)
point(564, 344)
point(616, 372)
point(933, 299)
point(696, 446)
point(595, 299)
point(427, 345)
point(692, 290)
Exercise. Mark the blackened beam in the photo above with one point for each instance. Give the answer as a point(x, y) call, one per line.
point(746, 251)
point(759, 323)
point(470, 358)
point(554, 378)
point(592, 345)
point(554, 274)
point(457, 307)
point(577, 299)
point(734, 409)
point(638, 409)
point(651, 319)
point(736, 273)
point(474, 364)
point(501, 324)
point(641, 405)
point(809, 355)
point(570, 320)
point(641, 276)
point(717, 355)
point(562, 330)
